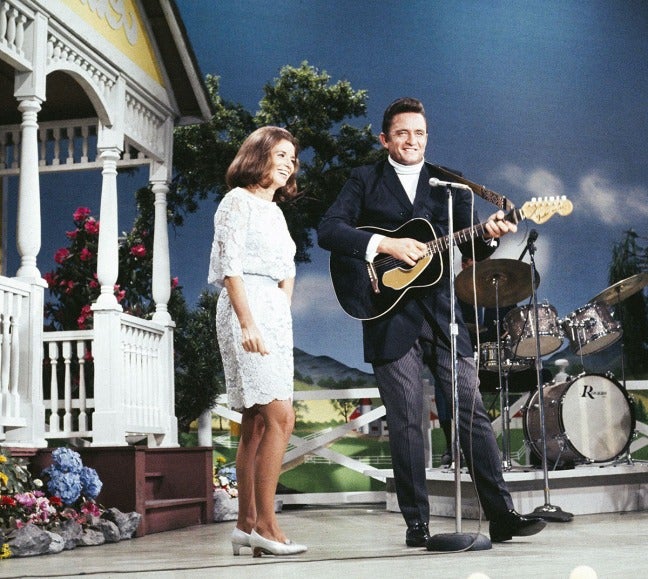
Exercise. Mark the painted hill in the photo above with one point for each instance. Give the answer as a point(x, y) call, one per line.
point(319, 367)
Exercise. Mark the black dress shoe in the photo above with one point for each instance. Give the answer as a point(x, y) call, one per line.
point(417, 534)
point(513, 524)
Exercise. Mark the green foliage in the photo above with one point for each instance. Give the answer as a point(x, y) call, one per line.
point(198, 365)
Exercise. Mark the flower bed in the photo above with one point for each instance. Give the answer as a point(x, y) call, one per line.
point(58, 512)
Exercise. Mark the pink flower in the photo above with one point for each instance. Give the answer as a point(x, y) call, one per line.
point(61, 255)
point(138, 250)
point(85, 255)
point(72, 234)
point(81, 213)
point(70, 286)
point(174, 282)
point(91, 226)
point(93, 283)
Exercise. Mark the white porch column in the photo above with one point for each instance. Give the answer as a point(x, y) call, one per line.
point(28, 227)
point(108, 420)
point(161, 283)
point(108, 251)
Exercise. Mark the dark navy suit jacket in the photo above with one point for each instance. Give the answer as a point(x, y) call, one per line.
point(374, 196)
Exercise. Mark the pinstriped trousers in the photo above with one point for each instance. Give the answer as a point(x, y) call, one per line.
point(401, 388)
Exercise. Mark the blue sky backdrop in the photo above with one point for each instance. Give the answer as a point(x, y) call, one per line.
point(534, 98)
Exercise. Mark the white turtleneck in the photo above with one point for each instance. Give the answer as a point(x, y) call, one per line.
point(408, 176)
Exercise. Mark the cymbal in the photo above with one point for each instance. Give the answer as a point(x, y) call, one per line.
point(622, 289)
point(511, 277)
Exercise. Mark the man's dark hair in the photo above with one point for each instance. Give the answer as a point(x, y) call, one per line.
point(401, 105)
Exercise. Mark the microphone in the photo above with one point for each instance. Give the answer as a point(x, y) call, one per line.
point(533, 235)
point(434, 182)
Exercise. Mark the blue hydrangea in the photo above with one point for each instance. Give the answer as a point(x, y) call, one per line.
point(66, 485)
point(229, 472)
point(66, 460)
point(90, 482)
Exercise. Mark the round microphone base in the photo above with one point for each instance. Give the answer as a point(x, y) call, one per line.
point(458, 542)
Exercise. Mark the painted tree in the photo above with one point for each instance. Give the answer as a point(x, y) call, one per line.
point(630, 257)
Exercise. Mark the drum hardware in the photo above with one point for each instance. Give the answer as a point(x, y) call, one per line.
point(498, 283)
point(547, 511)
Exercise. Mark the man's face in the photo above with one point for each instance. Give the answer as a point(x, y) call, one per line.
point(407, 138)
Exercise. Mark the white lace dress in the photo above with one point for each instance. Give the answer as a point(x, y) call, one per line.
point(251, 240)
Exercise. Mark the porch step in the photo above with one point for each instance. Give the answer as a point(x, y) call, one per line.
point(168, 514)
point(171, 488)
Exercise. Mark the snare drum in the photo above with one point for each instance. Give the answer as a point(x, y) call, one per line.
point(588, 419)
point(591, 329)
point(488, 360)
point(520, 325)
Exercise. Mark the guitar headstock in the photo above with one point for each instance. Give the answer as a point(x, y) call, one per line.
point(543, 208)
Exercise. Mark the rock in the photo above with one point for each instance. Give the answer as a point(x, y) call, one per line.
point(57, 543)
point(109, 529)
point(29, 541)
point(91, 538)
point(127, 523)
point(225, 506)
point(71, 532)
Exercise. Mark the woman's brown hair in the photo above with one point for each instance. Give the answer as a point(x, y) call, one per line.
point(253, 162)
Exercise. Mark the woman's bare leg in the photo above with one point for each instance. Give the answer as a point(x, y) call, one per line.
point(279, 420)
point(252, 427)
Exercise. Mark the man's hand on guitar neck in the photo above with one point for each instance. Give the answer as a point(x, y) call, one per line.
point(497, 225)
point(403, 248)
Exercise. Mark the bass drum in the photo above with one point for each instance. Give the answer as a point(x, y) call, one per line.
point(588, 419)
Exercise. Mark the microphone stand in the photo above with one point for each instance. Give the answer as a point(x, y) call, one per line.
point(457, 541)
point(547, 512)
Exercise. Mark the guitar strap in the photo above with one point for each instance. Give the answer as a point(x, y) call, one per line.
point(500, 201)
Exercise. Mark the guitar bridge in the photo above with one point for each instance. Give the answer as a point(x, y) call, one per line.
point(371, 270)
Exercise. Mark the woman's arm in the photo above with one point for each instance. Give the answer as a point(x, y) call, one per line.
point(252, 339)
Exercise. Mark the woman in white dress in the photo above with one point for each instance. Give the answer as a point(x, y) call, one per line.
point(252, 262)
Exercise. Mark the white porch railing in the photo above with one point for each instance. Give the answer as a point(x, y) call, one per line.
point(142, 380)
point(14, 316)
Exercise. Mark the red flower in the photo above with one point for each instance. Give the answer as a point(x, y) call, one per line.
point(56, 501)
point(85, 255)
point(7, 501)
point(61, 255)
point(174, 282)
point(91, 226)
point(81, 213)
point(72, 234)
point(50, 278)
point(138, 250)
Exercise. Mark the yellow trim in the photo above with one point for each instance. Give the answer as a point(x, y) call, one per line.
point(123, 29)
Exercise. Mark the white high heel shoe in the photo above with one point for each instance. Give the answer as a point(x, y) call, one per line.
point(262, 545)
point(239, 539)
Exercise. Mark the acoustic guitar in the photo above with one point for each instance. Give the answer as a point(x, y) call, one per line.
point(369, 290)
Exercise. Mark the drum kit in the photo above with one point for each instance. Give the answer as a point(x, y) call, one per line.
point(585, 419)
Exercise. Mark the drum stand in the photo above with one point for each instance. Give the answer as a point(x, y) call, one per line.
point(547, 512)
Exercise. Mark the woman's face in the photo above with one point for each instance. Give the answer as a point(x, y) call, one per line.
point(283, 163)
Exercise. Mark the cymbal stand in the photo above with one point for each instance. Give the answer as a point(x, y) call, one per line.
point(547, 512)
point(503, 386)
point(457, 541)
point(627, 455)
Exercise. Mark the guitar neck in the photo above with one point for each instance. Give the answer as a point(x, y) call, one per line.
point(442, 244)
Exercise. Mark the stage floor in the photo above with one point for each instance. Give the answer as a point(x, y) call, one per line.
point(359, 542)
